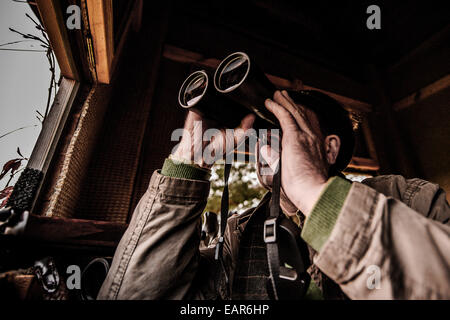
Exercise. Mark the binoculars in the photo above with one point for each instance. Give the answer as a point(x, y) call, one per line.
point(237, 88)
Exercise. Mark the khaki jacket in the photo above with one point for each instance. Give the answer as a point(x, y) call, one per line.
point(391, 240)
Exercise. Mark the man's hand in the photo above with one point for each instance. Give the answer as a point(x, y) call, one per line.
point(194, 148)
point(304, 166)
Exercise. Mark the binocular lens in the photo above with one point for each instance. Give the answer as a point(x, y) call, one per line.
point(193, 89)
point(232, 71)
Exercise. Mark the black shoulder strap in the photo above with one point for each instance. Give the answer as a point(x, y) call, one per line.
point(223, 219)
point(292, 282)
point(296, 281)
point(270, 232)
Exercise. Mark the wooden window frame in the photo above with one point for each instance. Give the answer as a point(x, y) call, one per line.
point(100, 13)
point(52, 128)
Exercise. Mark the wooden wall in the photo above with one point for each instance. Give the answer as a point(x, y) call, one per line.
point(426, 125)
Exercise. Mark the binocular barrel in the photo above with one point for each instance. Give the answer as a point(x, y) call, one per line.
point(243, 82)
point(196, 94)
point(239, 89)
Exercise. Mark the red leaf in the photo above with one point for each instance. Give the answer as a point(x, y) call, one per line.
point(4, 202)
point(5, 193)
point(12, 165)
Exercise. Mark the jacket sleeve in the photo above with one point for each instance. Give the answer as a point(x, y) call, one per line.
point(158, 256)
point(382, 247)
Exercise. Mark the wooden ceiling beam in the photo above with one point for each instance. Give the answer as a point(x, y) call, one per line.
point(423, 93)
point(424, 67)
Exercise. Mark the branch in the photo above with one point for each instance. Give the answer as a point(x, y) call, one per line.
point(40, 28)
point(37, 24)
point(45, 43)
point(14, 42)
point(19, 50)
point(12, 176)
point(4, 135)
point(51, 61)
point(29, 36)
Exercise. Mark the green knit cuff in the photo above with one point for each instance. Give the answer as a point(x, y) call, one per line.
point(182, 170)
point(320, 223)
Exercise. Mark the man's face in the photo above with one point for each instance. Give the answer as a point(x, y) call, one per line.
point(267, 155)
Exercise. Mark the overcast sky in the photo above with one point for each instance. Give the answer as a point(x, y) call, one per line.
point(24, 81)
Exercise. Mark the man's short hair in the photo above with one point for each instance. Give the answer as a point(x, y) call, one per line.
point(333, 119)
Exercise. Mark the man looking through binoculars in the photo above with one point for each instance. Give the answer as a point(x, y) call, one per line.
point(400, 226)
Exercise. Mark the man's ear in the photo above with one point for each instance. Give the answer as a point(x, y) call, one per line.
point(332, 146)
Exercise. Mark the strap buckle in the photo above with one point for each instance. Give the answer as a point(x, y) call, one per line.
point(270, 230)
point(288, 273)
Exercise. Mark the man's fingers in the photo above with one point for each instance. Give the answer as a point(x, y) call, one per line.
point(285, 118)
point(248, 121)
point(246, 124)
point(297, 111)
point(286, 95)
point(285, 102)
point(191, 118)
